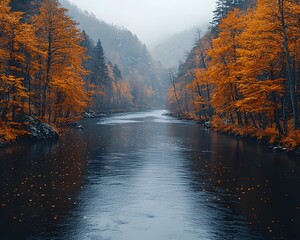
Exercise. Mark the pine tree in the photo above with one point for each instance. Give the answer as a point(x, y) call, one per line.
point(117, 72)
point(28, 7)
point(99, 68)
point(20, 5)
point(88, 45)
point(225, 6)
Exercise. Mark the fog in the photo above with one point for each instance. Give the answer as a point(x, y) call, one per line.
point(151, 20)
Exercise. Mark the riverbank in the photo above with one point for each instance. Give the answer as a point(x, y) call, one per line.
point(30, 129)
point(265, 138)
point(269, 136)
point(33, 129)
point(154, 170)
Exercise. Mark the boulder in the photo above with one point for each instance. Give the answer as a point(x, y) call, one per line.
point(207, 125)
point(39, 130)
point(92, 114)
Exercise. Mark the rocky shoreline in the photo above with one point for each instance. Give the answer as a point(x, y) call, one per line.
point(265, 142)
point(36, 130)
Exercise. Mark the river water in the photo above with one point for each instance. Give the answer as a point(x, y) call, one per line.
point(147, 176)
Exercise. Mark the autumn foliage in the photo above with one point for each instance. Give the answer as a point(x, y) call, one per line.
point(47, 72)
point(244, 74)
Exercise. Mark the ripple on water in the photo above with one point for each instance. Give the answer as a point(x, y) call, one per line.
point(147, 176)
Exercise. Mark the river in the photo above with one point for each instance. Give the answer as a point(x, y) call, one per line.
point(147, 176)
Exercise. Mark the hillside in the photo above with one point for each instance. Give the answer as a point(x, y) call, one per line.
point(174, 50)
point(122, 48)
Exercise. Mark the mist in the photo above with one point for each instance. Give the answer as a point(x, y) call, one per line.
point(152, 21)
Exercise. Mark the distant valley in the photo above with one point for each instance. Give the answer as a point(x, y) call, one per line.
point(173, 50)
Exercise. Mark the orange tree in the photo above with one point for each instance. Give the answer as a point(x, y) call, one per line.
point(60, 95)
point(223, 68)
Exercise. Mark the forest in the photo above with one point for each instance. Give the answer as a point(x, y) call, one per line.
point(52, 71)
point(100, 141)
point(146, 77)
point(244, 74)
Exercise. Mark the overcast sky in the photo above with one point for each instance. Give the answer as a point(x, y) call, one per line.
point(151, 20)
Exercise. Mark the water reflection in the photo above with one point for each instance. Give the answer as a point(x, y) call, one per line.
point(39, 183)
point(147, 176)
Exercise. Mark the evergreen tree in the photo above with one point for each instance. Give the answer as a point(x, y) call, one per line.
point(225, 6)
point(117, 72)
point(87, 43)
point(20, 5)
point(28, 7)
point(99, 68)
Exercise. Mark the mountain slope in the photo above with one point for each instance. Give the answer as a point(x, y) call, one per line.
point(123, 48)
point(174, 49)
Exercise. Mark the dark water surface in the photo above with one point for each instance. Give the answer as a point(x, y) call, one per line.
point(144, 176)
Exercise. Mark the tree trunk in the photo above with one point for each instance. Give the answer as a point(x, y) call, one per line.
point(171, 75)
point(253, 120)
point(291, 79)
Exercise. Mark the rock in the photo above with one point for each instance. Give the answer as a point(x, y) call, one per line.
point(169, 114)
point(40, 130)
point(207, 125)
point(89, 114)
point(92, 114)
